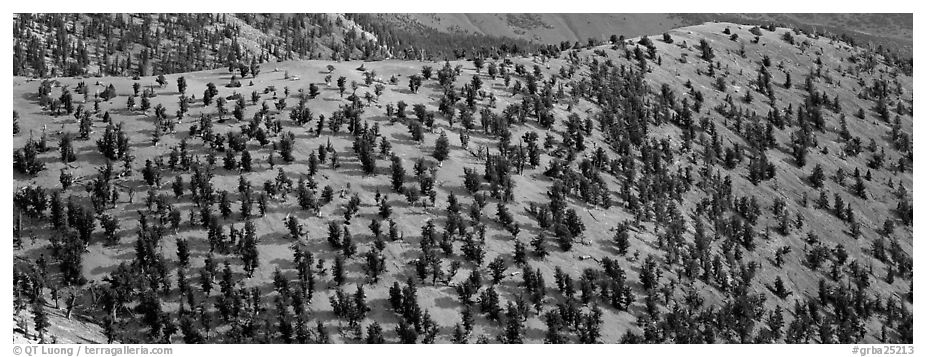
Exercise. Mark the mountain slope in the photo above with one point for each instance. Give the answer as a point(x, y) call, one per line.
point(683, 156)
point(547, 28)
point(145, 44)
point(892, 30)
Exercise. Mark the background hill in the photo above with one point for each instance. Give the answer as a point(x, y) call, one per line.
point(684, 187)
point(146, 44)
point(150, 44)
point(543, 28)
point(896, 30)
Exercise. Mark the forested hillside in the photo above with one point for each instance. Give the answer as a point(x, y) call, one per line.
point(717, 183)
point(151, 44)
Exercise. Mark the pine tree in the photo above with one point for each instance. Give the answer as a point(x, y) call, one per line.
point(574, 223)
point(229, 162)
point(554, 326)
point(177, 186)
point(40, 317)
point(334, 235)
point(859, 188)
point(520, 253)
point(183, 252)
point(459, 335)
point(26, 160)
point(398, 174)
point(539, 246)
point(442, 147)
point(66, 149)
point(224, 204)
point(514, 326)
point(707, 53)
point(286, 144)
point(817, 177)
point(337, 270)
point(375, 264)
point(349, 248)
point(622, 239)
point(110, 227)
point(416, 130)
point(497, 267)
point(504, 215)
point(776, 323)
point(342, 82)
point(407, 334)
point(779, 289)
point(489, 304)
point(374, 334)
point(366, 153)
point(246, 161)
point(590, 326)
point(249, 252)
point(181, 85)
point(471, 180)
point(563, 237)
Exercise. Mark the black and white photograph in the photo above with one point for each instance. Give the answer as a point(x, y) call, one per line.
point(531, 177)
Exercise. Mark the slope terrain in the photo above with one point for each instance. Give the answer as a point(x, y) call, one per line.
point(546, 28)
point(150, 44)
point(894, 30)
point(672, 188)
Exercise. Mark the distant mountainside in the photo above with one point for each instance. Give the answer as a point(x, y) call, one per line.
point(897, 29)
point(892, 30)
point(150, 44)
point(50, 45)
point(144, 44)
point(542, 28)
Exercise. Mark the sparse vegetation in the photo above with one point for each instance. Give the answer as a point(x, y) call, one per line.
point(590, 199)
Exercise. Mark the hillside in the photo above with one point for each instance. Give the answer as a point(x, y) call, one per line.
point(61, 329)
point(50, 45)
point(891, 29)
point(894, 30)
point(64, 325)
point(544, 28)
point(669, 182)
point(152, 44)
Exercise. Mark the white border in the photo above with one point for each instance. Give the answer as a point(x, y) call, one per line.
point(571, 6)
